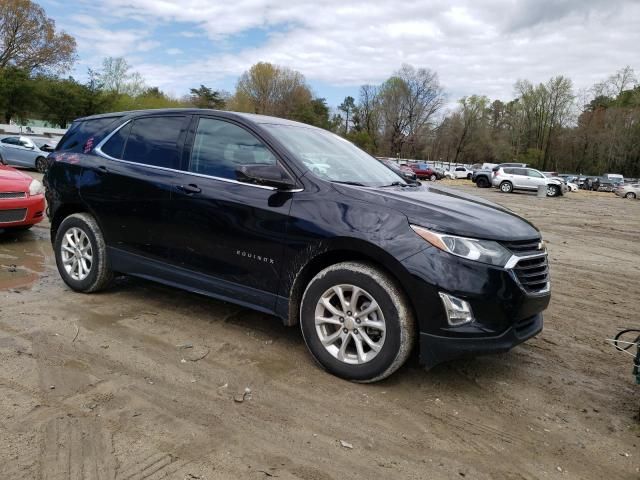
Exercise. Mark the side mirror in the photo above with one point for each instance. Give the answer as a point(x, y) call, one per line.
point(268, 175)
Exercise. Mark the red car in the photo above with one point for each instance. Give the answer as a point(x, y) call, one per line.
point(423, 170)
point(21, 199)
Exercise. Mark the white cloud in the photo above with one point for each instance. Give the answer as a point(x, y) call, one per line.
point(480, 46)
point(173, 51)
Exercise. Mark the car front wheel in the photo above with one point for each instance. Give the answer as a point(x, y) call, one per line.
point(553, 190)
point(506, 187)
point(433, 178)
point(630, 195)
point(81, 254)
point(357, 322)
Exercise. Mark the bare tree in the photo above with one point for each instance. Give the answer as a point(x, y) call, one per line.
point(116, 76)
point(409, 101)
point(271, 90)
point(29, 40)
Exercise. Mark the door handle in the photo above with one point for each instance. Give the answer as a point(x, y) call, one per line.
point(189, 189)
point(103, 169)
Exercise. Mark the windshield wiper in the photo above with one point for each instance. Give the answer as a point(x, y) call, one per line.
point(346, 182)
point(398, 184)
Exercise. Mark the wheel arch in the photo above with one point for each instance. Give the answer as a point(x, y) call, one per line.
point(355, 250)
point(63, 212)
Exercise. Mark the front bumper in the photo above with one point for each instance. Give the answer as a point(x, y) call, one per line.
point(34, 206)
point(435, 349)
point(504, 313)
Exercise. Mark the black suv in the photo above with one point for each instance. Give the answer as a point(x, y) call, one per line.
point(296, 222)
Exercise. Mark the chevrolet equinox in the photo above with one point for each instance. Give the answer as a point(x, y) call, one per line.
point(296, 222)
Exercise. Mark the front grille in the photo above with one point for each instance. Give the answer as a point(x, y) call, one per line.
point(15, 215)
point(522, 248)
point(12, 195)
point(533, 273)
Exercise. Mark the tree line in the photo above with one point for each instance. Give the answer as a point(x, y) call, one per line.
point(547, 125)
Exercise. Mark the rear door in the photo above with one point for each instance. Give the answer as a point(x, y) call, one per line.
point(519, 176)
point(128, 183)
point(228, 231)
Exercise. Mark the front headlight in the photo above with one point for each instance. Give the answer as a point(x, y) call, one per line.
point(35, 188)
point(485, 251)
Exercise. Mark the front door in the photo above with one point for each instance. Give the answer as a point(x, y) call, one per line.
point(229, 232)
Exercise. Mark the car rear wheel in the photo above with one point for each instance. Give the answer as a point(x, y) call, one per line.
point(433, 178)
point(553, 190)
point(41, 164)
point(81, 254)
point(482, 182)
point(356, 322)
point(630, 195)
point(469, 176)
point(506, 187)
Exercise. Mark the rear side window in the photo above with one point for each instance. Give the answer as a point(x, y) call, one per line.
point(155, 141)
point(115, 145)
point(81, 130)
point(220, 147)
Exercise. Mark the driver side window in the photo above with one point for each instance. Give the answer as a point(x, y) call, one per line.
point(220, 148)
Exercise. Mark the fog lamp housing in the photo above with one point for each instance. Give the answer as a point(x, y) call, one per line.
point(458, 310)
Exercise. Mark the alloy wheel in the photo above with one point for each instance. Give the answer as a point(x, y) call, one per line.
point(350, 324)
point(77, 254)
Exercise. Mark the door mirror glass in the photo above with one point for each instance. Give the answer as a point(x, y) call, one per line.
point(268, 175)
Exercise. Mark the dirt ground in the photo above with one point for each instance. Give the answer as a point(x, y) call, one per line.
point(139, 381)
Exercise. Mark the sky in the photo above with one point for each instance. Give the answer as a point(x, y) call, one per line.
point(475, 46)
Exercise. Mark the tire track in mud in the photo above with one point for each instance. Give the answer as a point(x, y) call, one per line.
point(76, 449)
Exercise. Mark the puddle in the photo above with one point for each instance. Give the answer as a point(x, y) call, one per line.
point(23, 258)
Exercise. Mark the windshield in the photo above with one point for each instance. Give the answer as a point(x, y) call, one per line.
point(333, 158)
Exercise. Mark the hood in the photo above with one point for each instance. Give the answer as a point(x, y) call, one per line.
point(448, 211)
point(12, 179)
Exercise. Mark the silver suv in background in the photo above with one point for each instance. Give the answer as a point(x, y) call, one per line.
point(630, 190)
point(508, 179)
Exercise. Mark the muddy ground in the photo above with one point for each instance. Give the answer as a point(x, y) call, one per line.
point(101, 386)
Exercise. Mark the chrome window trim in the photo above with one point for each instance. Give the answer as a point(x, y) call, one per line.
point(98, 150)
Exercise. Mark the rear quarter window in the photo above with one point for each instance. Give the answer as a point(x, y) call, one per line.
point(81, 130)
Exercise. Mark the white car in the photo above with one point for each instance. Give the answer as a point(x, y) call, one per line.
point(461, 172)
point(508, 179)
point(573, 187)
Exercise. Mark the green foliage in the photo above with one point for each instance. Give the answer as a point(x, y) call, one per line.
point(16, 93)
point(205, 97)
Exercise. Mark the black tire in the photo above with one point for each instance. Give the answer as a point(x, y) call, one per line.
point(506, 187)
point(100, 275)
point(433, 178)
point(397, 315)
point(630, 195)
point(482, 182)
point(469, 175)
point(41, 164)
point(553, 190)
